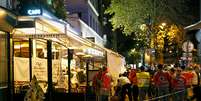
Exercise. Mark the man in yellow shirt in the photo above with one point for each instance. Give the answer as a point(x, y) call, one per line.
point(143, 81)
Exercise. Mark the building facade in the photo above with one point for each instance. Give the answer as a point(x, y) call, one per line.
point(88, 11)
point(7, 23)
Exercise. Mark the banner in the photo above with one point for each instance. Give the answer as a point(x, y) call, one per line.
point(115, 65)
point(56, 70)
point(21, 69)
point(39, 69)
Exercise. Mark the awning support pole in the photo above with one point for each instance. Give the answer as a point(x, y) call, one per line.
point(10, 69)
point(49, 69)
point(30, 58)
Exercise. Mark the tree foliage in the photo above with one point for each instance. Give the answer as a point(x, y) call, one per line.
point(131, 14)
point(141, 20)
point(60, 10)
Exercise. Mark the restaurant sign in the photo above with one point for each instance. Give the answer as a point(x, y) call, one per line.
point(32, 12)
point(94, 52)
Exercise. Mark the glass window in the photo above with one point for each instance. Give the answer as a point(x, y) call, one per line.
point(3, 66)
point(21, 48)
point(21, 64)
point(90, 20)
point(3, 3)
point(3, 60)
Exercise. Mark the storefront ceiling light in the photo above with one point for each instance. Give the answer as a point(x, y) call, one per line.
point(76, 48)
point(88, 56)
point(80, 54)
point(17, 46)
point(25, 18)
point(2, 12)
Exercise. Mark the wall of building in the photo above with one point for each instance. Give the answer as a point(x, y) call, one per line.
point(78, 6)
point(86, 11)
point(3, 66)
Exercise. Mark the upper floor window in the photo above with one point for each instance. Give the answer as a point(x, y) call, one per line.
point(3, 3)
point(94, 3)
point(90, 21)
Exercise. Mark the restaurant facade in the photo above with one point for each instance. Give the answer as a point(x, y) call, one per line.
point(39, 44)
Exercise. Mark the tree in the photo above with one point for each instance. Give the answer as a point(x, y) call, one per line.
point(134, 56)
point(140, 19)
point(60, 10)
point(131, 14)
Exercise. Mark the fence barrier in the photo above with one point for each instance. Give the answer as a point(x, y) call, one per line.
point(163, 96)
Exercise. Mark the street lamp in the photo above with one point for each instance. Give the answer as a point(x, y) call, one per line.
point(162, 26)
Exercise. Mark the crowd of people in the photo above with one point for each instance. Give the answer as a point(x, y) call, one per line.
point(156, 83)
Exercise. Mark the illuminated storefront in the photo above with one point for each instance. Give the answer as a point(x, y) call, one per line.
point(31, 54)
point(40, 45)
point(7, 23)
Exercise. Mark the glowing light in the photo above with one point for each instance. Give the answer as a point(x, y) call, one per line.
point(34, 12)
point(2, 13)
point(163, 24)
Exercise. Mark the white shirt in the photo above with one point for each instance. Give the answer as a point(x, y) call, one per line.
point(123, 80)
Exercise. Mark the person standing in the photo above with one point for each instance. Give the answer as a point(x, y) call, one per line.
point(133, 78)
point(196, 84)
point(143, 81)
point(125, 85)
point(105, 85)
point(162, 81)
point(179, 86)
point(96, 83)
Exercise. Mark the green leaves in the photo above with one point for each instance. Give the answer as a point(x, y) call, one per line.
point(60, 10)
point(140, 19)
point(130, 14)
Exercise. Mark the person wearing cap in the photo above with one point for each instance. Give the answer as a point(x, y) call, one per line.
point(143, 81)
point(162, 81)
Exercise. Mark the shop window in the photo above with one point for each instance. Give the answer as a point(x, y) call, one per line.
point(41, 49)
point(21, 64)
point(3, 61)
point(3, 3)
point(21, 48)
point(90, 21)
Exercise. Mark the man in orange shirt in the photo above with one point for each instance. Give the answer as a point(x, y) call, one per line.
point(179, 85)
point(162, 81)
point(133, 78)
